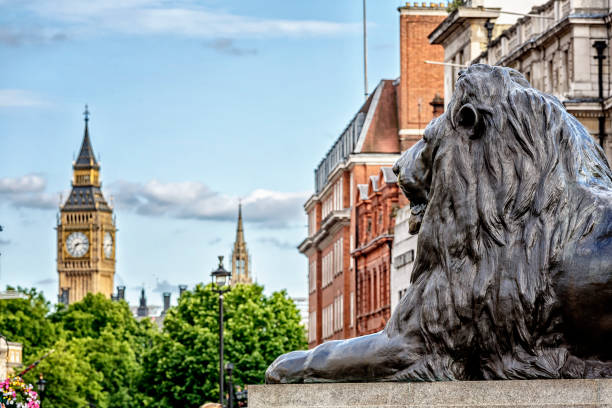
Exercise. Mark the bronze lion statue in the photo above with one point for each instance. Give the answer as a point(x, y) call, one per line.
point(512, 279)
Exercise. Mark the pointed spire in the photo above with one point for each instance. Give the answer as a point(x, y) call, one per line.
point(239, 228)
point(240, 254)
point(86, 156)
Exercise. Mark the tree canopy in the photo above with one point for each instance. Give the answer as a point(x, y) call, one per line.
point(184, 361)
point(104, 356)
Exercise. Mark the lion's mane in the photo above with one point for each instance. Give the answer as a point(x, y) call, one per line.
point(498, 217)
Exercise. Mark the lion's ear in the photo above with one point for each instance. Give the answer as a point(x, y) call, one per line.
point(468, 119)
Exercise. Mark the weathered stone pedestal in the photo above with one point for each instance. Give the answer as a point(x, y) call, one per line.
point(517, 394)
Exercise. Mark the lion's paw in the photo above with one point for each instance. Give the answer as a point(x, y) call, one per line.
point(288, 368)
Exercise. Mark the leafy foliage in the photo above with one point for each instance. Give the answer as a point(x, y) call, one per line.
point(104, 356)
point(454, 5)
point(185, 362)
point(24, 321)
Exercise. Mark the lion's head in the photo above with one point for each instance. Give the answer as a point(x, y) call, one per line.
point(500, 186)
point(502, 152)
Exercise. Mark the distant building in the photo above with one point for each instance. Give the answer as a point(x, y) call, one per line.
point(391, 120)
point(558, 47)
point(367, 143)
point(564, 51)
point(143, 310)
point(86, 232)
point(376, 205)
point(302, 305)
point(404, 252)
point(465, 33)
point(12, 361)
point(241, 260)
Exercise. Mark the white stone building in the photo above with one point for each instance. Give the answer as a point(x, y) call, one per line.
point(10, 358)
point(563, 49)
point(403, 254)
point(561, 46)
point(464, 35)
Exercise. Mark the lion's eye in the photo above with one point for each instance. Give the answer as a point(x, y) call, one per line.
point(468, 119)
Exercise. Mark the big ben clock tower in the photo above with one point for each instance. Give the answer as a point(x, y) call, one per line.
point(85, 232)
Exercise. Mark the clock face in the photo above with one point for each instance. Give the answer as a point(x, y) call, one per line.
point(77, 244)
point(108, 244)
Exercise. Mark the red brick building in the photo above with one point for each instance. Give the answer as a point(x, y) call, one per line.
point(368, 142)
point(420, 82)
point(392, 119)
point(375, 208)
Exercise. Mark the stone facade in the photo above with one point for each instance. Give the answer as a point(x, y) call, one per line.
point(442, 394)
point(375, 209)
point(557, 52)
point(13, 361)
point(241, 259)
point(404, 252)
point(86, 232)
point(368, 142)
point(556, 47)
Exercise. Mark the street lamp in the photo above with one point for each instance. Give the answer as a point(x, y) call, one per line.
point(229, 367)
point(41, 387)
point(221, 278)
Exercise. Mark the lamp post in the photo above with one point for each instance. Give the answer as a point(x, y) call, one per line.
point(41, 388)
point(221, 278)
point(229, 367)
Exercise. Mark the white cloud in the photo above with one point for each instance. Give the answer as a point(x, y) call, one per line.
point(194, 200)
point(185, 18)
point(30, 183)
point(27, 192)
point(185, 200)
point(19, 98)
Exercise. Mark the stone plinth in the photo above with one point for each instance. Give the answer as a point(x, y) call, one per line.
point(517, 394)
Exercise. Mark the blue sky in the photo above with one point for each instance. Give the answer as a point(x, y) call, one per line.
point(194, 105)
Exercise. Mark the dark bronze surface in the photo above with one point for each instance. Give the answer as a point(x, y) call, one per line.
point(512, 279)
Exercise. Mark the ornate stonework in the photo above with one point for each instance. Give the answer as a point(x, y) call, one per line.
point(241, 272)
point(86, 232)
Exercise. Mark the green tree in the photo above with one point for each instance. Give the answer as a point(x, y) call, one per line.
point(98, 349)
point(113, 344)
point(454, 5)
point(184, 361)
point(72, 381)
point(25, 321)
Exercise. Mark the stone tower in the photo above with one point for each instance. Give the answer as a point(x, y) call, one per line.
point(85, 231)
point(241, 272)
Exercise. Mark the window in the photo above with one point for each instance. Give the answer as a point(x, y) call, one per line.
point(566, 70)
point(312, 227)
point(352, 308)
point(328, 321)
point(550, 76)
point(312, 277)
point(333, 201)
point(338, 313)
point(312, 326)
point(404, 258)
point(327, 265)
point(338, 257)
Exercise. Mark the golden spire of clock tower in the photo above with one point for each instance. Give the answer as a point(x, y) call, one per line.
point(85, 231)
point(240, 256)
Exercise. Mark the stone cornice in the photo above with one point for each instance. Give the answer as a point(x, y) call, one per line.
point(456, 19)
point(376, 242)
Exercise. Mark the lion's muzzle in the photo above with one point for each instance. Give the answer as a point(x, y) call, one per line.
point(414, 178)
